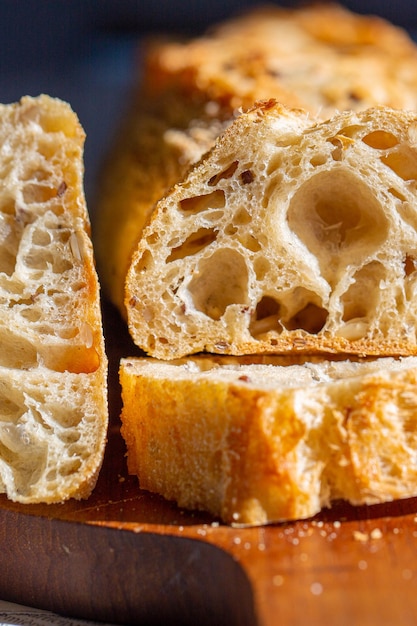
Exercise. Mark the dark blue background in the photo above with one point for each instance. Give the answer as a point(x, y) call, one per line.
point(83, 50)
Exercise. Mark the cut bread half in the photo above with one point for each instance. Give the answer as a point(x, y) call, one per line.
point(53, 366)
point(274, 439)
point(287, 237)
point(322, 58)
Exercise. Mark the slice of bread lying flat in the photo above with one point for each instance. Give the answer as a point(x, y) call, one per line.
point(53, 367)
point(322, 58)
point(285, 238)
point(276, 439)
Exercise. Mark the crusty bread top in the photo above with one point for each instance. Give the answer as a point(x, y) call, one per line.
point(53, 367)
point(272, 440)
point(321, 57)
point(286, 237)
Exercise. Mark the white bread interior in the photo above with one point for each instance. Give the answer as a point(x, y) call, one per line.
point(53, 366)
point(261, 440)
point(289, 236)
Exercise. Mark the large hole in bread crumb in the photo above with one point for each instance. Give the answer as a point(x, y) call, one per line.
point(410, 265)
point(10, 235)
point(361, 301)
point(197, 204)
point(145, 262)
point(335, 214)
point(10, 409)
point(402, 161)
point(351, 131)
point(16, 352)
point(193, 244)
point(219, 281)
point(380, 140)
point(310, 318)
point(362, 298)
point(397, 194)
point(38, 193)
point(303, 311)
point(224, 174)
point(250, 242)
point(7, 205)
point(70, 467)
point(266, 317)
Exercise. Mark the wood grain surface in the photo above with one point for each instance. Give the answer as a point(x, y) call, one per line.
point(129, 557)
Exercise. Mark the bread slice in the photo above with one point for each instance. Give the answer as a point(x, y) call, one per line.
point(322, 58)
point(53, 366)
point(285, 237)
point(276, 439)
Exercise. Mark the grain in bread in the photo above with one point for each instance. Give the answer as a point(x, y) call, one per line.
point(285, 237)
point(53, 366)
point(275, 439)
point(323, 58)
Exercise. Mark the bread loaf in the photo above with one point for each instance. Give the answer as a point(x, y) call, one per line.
point(322, 58)
point(53, 367)
point(286, 238)
point(276, 439)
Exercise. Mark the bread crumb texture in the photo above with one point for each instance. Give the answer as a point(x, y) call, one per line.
point(53, 407)
point(290, 235)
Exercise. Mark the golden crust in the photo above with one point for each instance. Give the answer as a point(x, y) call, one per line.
point(323, 58)
point(251, 448)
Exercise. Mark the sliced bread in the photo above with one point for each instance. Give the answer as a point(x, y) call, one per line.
point(286, 238)
point(53, 366)
point(254, 441)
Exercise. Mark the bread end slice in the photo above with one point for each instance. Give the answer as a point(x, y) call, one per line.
point(53, 365)
point(262, 440)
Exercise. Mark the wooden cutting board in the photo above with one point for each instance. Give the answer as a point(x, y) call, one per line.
point(129, 557)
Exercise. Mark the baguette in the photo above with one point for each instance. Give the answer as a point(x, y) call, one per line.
point(321, 58)
point(276, 439)
point(53, 366)
point(285, 238)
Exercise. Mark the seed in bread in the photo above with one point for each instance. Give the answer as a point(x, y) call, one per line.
point(275, 439)
point(53, 367)
point(286, 237)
